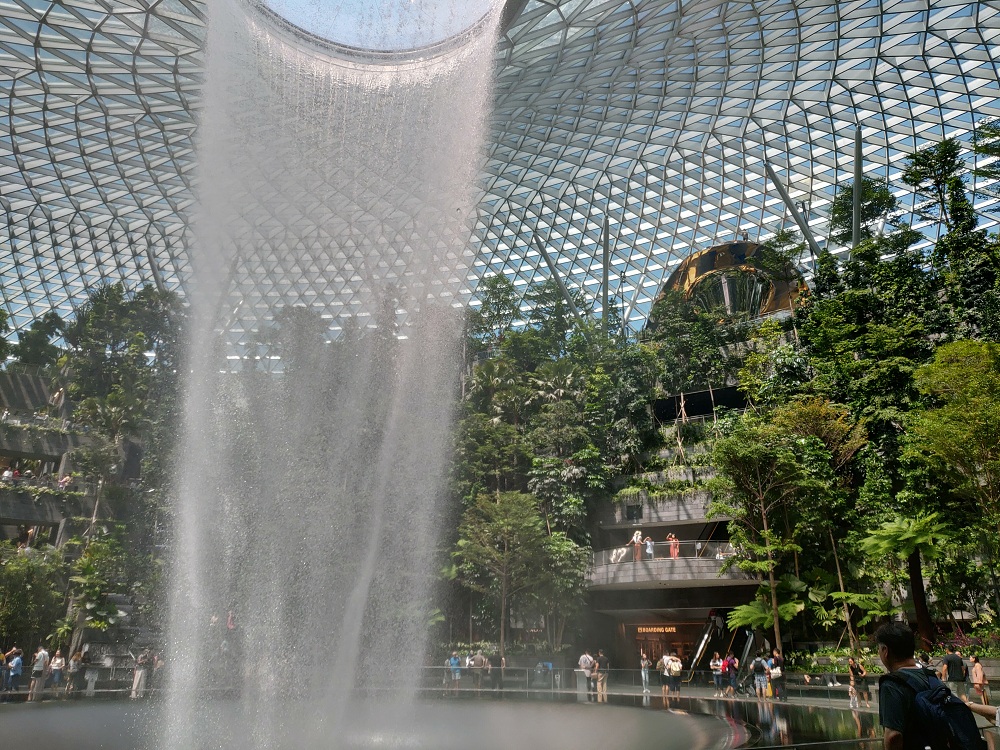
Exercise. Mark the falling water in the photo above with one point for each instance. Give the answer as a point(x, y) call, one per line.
point(335, 195)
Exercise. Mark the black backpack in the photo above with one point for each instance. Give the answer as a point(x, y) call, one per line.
point(940, 719)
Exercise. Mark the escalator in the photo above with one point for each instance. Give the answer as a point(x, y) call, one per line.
point(716, 637)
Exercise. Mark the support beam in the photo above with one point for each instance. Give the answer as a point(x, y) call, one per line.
point(559, 281)
point(858, 183)
point(803, 225)
point(605, 265)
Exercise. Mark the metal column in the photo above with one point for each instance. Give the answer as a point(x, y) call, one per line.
point(803, 225)
point(858, 186)
point(604, 281)
point(558, 280)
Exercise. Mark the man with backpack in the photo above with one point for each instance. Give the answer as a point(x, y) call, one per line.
point(916, 710)
point(759, 668)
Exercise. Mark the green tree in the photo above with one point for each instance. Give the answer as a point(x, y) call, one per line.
point(694, 347)
point(560, 594)
point(490, 456)
point(32, 582)
point(913, 540)
point(829, 440)
point(964, 429)
point(5, 346)
point(986, 147)
point(760, 478)
point(34, 346)
point(877, 207)
point(501, 550)
point(933, 173)
point(499, 309)
point(772, 366)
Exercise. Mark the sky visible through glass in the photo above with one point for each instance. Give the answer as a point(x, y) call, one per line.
point(382, 24)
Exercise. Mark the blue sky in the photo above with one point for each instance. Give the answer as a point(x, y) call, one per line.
point(382, 24)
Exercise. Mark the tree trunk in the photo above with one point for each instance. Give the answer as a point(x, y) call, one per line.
point(503, 616)
point(840, 580)
point(770, 579)
point(925, 627)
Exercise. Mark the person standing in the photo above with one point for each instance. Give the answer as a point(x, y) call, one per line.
point(979, 682)
point(731, 668)
point(39, 671)
point(586, 664)
point(716, 666)
point(664, 672)
point(15, 665)
point(478, 665)
point(674, 668)
point(455, 668)
point(56, 667)
point(498, 664)
point(73, 671)
point(759, 669)
point(913, 710)
point(139, 675)
point(644, 665)
point(636, 543)
point(777, 667)
point(953, 671)
point(601, 667)
point(675, 546)
point(859, 680)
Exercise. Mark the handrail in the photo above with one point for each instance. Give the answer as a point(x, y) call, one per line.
point(685, 550)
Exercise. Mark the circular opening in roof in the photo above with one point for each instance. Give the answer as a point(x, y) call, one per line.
point(382, 25)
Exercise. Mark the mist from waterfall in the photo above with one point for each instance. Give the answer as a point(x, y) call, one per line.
point(310, 479)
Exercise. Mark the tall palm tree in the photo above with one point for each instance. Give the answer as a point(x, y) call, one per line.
point(911, 539)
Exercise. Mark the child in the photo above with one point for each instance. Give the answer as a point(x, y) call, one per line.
point(853, 695)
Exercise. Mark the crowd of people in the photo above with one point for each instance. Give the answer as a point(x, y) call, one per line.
point(45, 674)
point(12, 476)
point(643, 547)
point(485, 670)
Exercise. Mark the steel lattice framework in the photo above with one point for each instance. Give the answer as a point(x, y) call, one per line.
point(654, 115)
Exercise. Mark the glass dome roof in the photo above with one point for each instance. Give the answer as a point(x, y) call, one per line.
point(655, 116)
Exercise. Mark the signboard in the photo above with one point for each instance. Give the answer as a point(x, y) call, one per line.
point(642, 629)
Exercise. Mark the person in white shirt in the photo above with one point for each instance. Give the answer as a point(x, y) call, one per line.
point(39, 671)
point(56, 667)
point(586, 664)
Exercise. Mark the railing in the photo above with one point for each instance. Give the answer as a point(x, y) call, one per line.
point(50, 484)
point(34, 419)
point(686, 549)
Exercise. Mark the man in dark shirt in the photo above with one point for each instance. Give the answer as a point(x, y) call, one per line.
point(895, 710)
point(953, 672)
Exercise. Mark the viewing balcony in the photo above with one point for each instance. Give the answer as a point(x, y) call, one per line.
point(696, 564)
